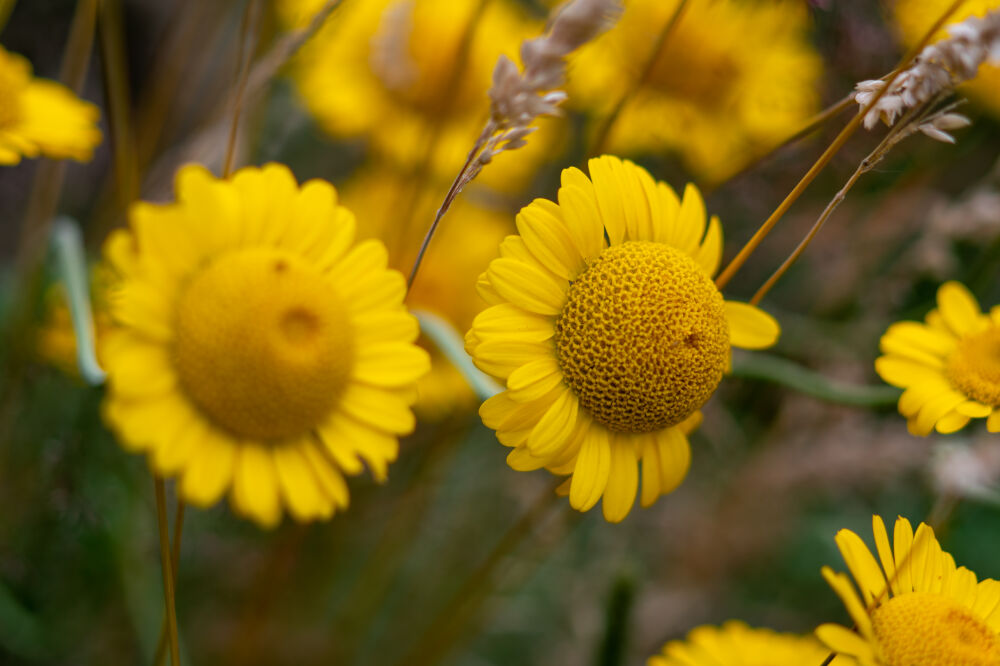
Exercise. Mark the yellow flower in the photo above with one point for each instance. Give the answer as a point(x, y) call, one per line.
point(40, 117)
point(915, 17)
point(732, 79)
point(736, 644)
point(393, 71)
point(398, 210)
point(609, 334)
point(949, 366)
point(258, 349)
point(932, 614)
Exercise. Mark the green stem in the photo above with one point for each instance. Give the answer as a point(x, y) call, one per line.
point(168, 570)
point(67, 243)
point(792, 375)
point(447, 339)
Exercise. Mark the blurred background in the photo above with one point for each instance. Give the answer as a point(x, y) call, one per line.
point(458, 559)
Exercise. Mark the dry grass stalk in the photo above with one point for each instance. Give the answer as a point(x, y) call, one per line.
point(517, 97)
point(938, 69)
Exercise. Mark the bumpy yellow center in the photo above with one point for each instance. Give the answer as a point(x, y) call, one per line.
point(264, 346)
point(974, 367)
point(643, 339)
point(923, 629)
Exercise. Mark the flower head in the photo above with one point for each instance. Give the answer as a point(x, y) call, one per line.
point(949, 365)
point(257, 348)
point(40, 117)
point(731, 79)
point(736, 644)
point(917, 608)
point(609, 334)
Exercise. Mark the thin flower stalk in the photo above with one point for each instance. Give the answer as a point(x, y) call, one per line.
point(601, 138)
point(168, 570)
point(175, 558)
point(938, 69)
point(934, 125)
point(248, 27)
point(517, 97)
point(824, 159)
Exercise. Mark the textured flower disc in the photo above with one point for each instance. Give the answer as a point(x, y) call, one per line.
point(643, 339)
point(263, 346)
point(974, 367)
point(608, 333)
point(923, 629)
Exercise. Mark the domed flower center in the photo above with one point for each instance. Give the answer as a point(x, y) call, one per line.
point(974, 366)
point(924, 629)
point(643, 340)
point(691, 69)
point(264, 346)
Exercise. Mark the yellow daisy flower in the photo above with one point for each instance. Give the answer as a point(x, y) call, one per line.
point(915, 17)
point(391, 70)
point(917, 609)
point(609, 334)
point(736, 644)
point(732, 79)
point(41, 117)
point(258, 349)
point(397, 210)
point(949, 366)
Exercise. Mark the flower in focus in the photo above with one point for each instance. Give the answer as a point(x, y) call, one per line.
point(412, 76)
point(736, 644)
point(609, 334)
point(41, 117)
point(398, 210)
point(917, 609)
point(949, 366)
point(731, 79)
point(257, 348)
point(915, 17)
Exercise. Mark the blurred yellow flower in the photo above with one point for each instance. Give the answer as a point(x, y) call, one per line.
point(398, 210)
point(258, 349)
point(917, 609)
point(608, 346)
point(412, 76)
point(732, 79)
point(949, 366)
point(41, 117)
point(915, 17)
point(736, 644)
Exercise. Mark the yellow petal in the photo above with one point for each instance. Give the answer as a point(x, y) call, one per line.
point(690, 222)
point(862, 565)
point(675, 458)
point(950, 423)
point(527, 286)
point(378, 408)
point(623, 480)
point(750, 327)
point(391, 364)
point(581, 214)
point(959, 309)
point(555, 427)
point(549, 241)
point(298, 485)
point(935, 409)
point(709, 253)
point(255, 485)
point(533, 380)
point(844, 641)
point(210, 471)
point(590, 477)
point(842, 586)
point(884, 551)
point(993, 422)
point(609, 198)
point(904, 372)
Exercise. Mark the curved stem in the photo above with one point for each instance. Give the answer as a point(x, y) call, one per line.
point(828, 154)
point(792, 375)
point(168, 570)
point(244, 58)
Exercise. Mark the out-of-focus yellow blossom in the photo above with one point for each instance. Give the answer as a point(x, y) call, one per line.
point(915, 17)
point(732, 79)
point(609, 334)
point(412, 76)
point(398, 211)
point(42, 117)
point(736, 644)
point(257, 348)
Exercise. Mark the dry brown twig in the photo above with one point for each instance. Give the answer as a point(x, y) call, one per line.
point(518, 97)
